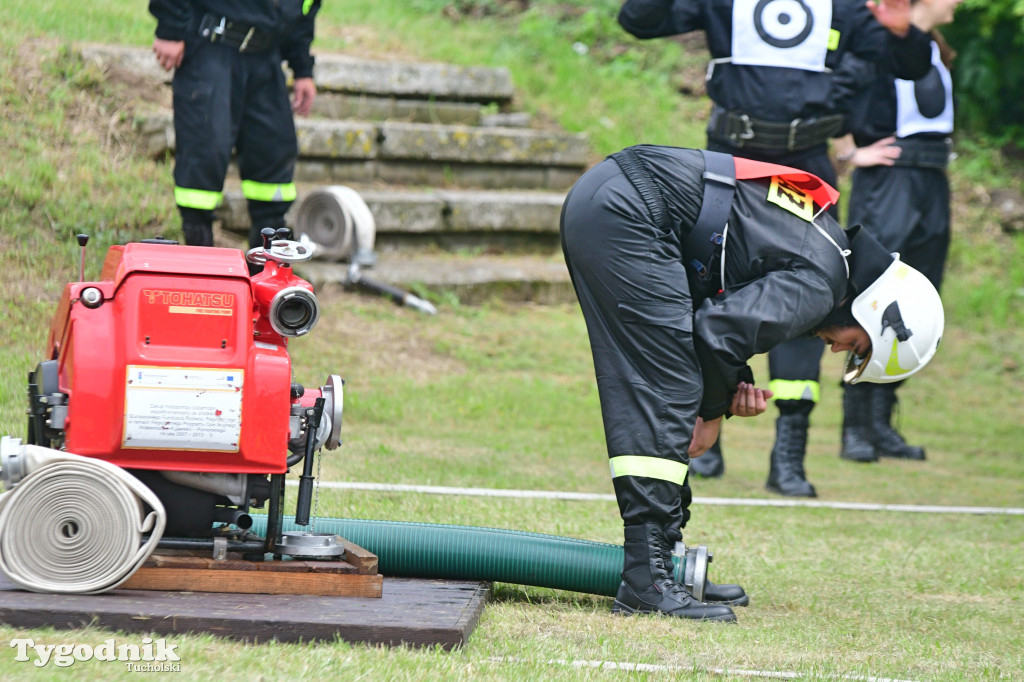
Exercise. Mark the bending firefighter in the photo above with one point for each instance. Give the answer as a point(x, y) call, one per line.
point(781, 87)
point(687, 263)
point(230, 94)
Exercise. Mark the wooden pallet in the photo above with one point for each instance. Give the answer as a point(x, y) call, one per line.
point(356, 576)
point(414, 612)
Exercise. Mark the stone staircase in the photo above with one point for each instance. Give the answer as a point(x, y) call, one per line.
point(465, 193)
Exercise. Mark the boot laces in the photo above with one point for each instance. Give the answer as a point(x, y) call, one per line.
point(663, 561)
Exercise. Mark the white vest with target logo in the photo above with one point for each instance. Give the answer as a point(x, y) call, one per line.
point(785, 33)
point(925, 105)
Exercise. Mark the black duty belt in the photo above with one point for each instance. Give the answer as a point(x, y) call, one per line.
point(704, 241)
point(741, 130)
point(245, 38)
point(924, 153)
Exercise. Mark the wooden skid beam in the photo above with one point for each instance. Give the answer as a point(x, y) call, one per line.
point(355, 577)
point(254, 582)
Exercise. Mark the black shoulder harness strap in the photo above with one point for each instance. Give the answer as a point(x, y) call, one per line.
point(703, 241)
point(706, 237)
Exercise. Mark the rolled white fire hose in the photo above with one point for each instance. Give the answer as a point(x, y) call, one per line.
point(71, 524)
point(338, 221)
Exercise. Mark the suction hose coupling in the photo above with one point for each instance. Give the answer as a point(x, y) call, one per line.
point(71, 524)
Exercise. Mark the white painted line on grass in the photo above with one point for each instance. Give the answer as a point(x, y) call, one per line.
point(719, 501)
point(656, 668)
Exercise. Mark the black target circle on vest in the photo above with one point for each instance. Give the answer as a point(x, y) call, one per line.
point(783, 23)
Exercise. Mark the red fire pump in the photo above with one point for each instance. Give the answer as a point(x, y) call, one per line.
point(174, 367)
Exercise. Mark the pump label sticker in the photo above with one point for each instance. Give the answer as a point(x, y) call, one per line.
point(787, 195)
point(183, 408)
point(191, 302)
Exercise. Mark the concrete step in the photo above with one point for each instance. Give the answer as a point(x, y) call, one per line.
point(369, 90)
point(450, 220)
point(343, 152)
point(351, 75)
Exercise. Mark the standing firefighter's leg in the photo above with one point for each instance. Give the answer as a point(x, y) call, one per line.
point(795, 367)
point(857, 443)
point(197, 226)
point(203, 139)
point(786, 475)
point(888, 441)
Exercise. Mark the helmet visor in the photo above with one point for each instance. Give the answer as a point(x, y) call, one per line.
point(855, 366)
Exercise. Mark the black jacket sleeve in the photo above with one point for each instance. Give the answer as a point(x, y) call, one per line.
point(658, 18)
point(731, 329)
point(295, 48)
point(910, 57)
point(172, 18)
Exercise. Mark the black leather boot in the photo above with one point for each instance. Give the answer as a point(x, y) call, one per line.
point(647, 584)
point(888, 442)
point(858, 445)
point(730, 595)
point(710, 464)
point(786, 475)
point(197, 226)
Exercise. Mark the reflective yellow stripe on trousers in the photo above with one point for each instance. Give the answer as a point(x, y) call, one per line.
point(785, 389)
point(197, 198)
point(262, 191)
point(649, 467)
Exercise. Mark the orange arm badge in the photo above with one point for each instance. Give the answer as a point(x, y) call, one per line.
point(794, 190)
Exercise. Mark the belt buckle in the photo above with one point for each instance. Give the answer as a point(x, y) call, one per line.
point(247, 38)
point(746, 134)
point(218, 30)
point(791, 142)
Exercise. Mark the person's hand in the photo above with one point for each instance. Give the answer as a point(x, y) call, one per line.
point(169, 53)
point(303, 94)
point(893, 14)
point(749, 401)
point(705, 433)
point(883, 152)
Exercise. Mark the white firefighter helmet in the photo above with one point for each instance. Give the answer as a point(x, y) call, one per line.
point(902, 314)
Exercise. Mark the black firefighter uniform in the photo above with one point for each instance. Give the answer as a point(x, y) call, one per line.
point(671, 332)
point(230, 93)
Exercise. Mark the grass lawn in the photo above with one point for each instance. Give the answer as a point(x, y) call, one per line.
point(503, 396)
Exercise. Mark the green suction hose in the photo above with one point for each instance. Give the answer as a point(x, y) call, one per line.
point(427, 550)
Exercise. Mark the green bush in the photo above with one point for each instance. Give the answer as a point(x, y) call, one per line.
point(989, 82)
